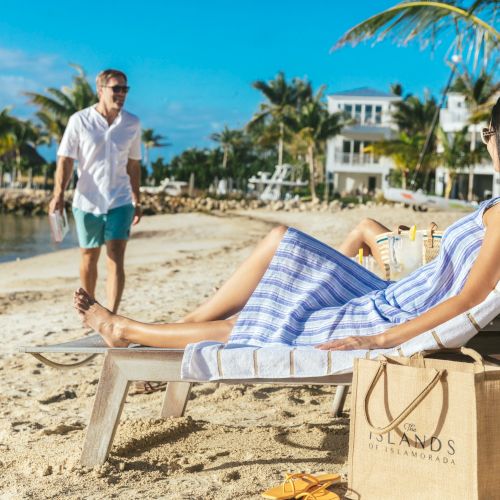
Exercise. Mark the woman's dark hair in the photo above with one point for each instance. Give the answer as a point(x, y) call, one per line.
point(495, 117)
point(495, 125)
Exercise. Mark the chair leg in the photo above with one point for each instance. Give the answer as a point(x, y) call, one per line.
point(175, 400)
point(108, 405)
point(339, 400)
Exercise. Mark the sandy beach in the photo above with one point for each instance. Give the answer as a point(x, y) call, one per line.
point(233, 442)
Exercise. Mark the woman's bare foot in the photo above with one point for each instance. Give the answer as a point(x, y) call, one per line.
point(99, 318)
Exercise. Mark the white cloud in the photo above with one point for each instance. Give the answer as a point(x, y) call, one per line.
point(18, 60)
point(12, 88)
point(28, 72)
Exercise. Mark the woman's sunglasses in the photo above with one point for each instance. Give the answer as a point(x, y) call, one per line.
point(486, 133)
point(118, 88)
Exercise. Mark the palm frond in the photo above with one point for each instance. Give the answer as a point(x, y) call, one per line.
point(428, 21)
point(47, 103)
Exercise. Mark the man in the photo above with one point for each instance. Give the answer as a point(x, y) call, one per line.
point(106, 141)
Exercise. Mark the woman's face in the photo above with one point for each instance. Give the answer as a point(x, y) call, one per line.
point(493, 145)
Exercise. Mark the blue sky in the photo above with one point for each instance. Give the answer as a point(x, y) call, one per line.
point(191, 63)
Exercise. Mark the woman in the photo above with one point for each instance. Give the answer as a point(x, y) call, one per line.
point(295, 290)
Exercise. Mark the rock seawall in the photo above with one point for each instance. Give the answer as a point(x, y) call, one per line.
point(36, 202)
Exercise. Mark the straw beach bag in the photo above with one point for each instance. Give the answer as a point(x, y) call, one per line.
point(431, 244)
point(425, 428)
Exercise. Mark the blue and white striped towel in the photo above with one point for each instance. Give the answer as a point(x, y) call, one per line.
point(206, 361)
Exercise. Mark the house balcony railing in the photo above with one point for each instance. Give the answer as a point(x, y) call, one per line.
point(356, 158)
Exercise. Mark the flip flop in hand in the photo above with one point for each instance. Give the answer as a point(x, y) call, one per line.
point(297, 484)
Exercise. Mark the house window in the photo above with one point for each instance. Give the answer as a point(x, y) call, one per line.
point(346, 151)
point(348, 109)
point(378, 114)
point(368, 113)
point(357, 113)
point(357, 148)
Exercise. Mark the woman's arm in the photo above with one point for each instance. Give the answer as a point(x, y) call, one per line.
point(483, 278)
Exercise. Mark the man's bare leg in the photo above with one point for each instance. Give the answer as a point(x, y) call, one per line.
point(115, 281)
point(119, 331)
point(88, 268)
point(364, 236)
point(235, 292)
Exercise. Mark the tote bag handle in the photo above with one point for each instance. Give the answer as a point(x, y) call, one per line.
point(466, 351)
point(396, 421)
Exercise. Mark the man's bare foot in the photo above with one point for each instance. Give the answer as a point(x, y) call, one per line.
point(99, 318)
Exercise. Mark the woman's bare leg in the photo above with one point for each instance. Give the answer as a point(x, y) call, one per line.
point(119, 331)
point(235, 292)
point(364, 236)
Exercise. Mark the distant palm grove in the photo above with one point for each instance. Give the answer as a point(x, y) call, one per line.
point(293, 124)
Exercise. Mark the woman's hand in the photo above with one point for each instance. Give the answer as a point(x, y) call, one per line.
point(353, 343)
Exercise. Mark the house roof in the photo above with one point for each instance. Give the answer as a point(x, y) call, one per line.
point(364, 92)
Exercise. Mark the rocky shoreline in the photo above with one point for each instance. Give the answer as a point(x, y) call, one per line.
point(36, 202)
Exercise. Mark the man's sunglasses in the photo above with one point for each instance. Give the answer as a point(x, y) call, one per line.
point(486, 133)
point(118, 88)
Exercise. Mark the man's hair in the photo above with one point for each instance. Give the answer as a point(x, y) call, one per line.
point(104, 76)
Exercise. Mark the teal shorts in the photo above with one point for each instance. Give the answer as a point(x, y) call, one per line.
point(94, 230)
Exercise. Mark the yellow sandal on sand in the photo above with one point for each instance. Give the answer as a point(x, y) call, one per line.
point(296, 484)
point(319, 492)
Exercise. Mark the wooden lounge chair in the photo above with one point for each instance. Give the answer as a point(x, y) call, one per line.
point(125, 365)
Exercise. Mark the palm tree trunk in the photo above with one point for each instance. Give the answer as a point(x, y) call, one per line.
point(225, 157)
point(470, 191)
point(449, 185)
point(45, 175)
point(146, 156)
point(312, 180)
point(18, 163)
point(280, 144)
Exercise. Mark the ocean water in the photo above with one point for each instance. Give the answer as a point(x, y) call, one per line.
point(26, 236)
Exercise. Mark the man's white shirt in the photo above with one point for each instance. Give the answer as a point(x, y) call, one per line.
point(102, 152)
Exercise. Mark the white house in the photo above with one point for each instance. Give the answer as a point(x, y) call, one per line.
point(352, 170)
point(486, 183)
point(347, 164)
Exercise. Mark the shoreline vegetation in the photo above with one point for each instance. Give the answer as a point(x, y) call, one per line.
point(32, 202)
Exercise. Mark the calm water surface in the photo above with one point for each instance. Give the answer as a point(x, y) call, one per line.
point(25, 236)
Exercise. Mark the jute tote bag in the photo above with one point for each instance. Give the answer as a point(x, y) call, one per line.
point(424, 428)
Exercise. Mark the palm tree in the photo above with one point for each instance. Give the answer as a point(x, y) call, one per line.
point(479, 93)
point(151, 140)
point(18, 142)
point(429, 21)
point(281, 96)
point(228, 140)
point(57, 105)
point(404, 150)
point(313, 125)
point(456, 154)
point(414, 116)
